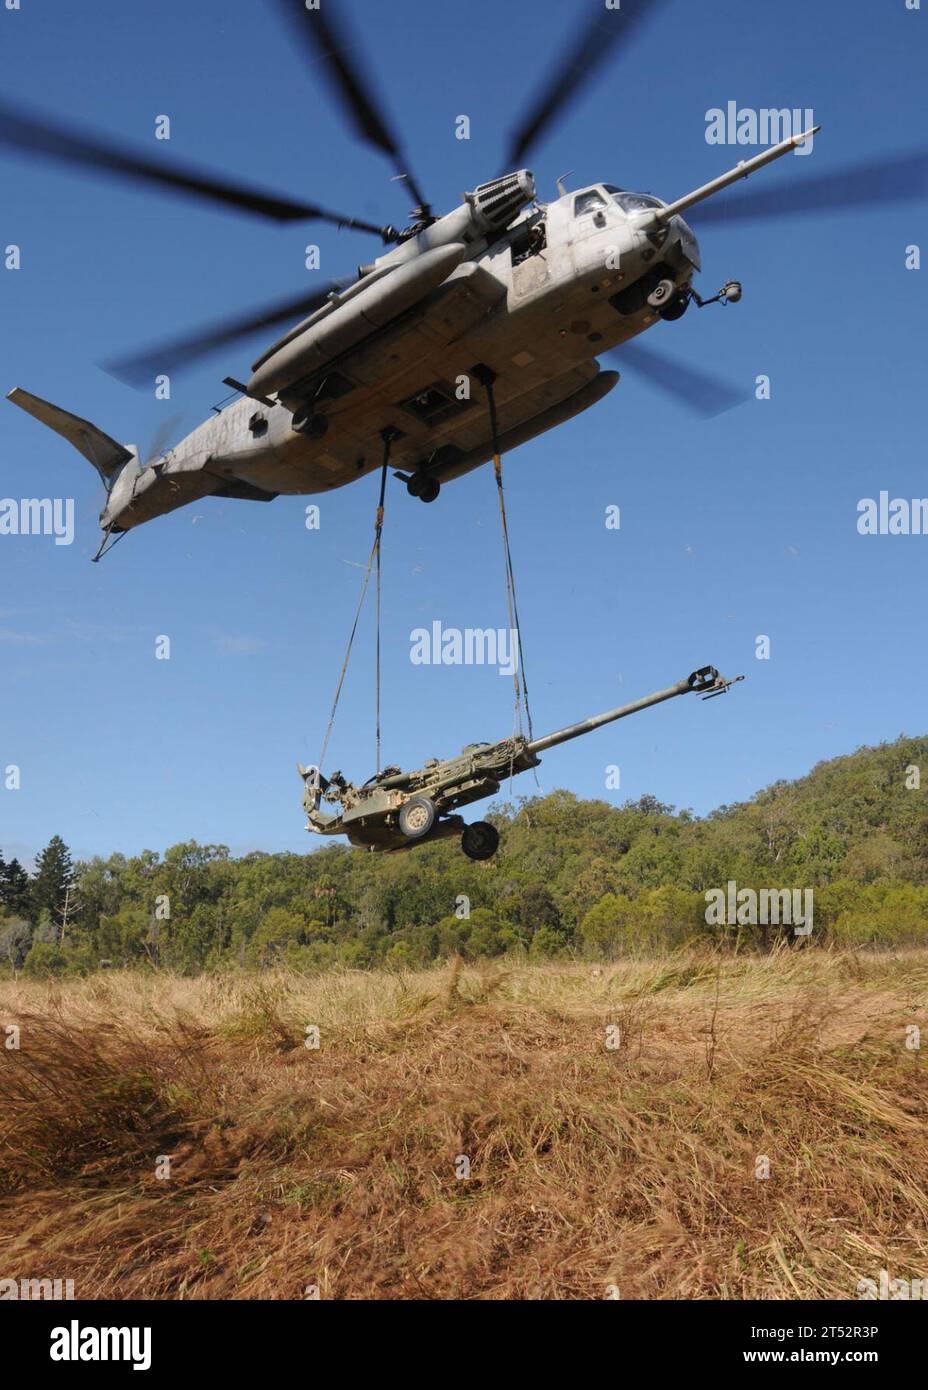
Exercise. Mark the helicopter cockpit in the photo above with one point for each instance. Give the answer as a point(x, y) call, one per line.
point(631, 203)
point(590, 200)
point(592, 209)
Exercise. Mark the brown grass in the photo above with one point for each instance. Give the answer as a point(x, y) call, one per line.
point(589, 1167)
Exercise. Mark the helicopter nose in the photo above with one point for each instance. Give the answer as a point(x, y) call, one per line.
point(685, 239)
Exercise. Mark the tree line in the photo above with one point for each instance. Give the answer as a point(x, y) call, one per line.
point(572, 878)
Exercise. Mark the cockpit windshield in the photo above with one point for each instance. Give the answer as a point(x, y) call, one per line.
point(633, 202)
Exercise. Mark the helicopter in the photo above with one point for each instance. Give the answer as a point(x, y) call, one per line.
point(475, 332)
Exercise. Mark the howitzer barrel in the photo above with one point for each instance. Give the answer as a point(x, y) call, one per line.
point(706, 680)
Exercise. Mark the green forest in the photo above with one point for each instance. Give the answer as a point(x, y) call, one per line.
point(572, 878)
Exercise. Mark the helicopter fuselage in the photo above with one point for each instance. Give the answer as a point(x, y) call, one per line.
point(535, 303)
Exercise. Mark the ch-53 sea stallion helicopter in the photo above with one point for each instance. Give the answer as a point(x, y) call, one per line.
point(520, 295)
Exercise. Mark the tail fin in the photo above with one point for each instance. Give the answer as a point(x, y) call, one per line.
point(104, 453)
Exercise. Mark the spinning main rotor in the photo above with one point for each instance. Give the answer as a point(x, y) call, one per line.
point(323, 34)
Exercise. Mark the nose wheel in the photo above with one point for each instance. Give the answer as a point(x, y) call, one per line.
point(662, 294)
point(676, 308)
point(422, 486)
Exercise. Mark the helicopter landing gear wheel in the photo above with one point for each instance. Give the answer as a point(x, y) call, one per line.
point(422, 486)
point(676, 308)
point(480, 840)
point(662, 294)
point(416, 818)
point(313, 426)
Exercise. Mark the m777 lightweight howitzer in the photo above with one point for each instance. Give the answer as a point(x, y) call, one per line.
point(397, 810)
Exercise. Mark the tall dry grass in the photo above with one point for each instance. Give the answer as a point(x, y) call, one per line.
point(593, 1170)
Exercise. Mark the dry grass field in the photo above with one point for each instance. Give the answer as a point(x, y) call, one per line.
point(595, 1170)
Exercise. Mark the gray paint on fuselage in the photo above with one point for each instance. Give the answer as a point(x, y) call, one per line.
point(547, 313)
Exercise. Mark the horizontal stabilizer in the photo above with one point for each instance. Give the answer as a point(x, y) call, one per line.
point(103, 452)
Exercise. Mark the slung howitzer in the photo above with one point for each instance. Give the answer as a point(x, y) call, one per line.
point(396, 810)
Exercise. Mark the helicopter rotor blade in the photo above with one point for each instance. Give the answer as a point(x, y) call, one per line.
point(701, 392)
point(597, 39)
point(331, 42)
point(139, 368)
point(29, 135)
point(866, 184)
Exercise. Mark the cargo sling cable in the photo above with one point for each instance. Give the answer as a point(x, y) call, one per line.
point(373, 560)
point(486, 376)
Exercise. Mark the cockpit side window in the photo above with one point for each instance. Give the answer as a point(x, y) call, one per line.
point(588, 202)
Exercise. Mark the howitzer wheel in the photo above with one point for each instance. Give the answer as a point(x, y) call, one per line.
point(416, 818)
point(480, 840)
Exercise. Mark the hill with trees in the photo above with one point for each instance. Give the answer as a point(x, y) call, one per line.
point(571, 877)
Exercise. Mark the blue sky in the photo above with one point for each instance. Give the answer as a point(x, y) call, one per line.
point(733, 527)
